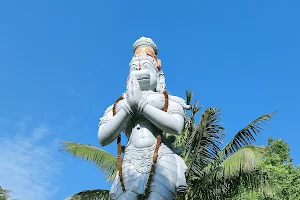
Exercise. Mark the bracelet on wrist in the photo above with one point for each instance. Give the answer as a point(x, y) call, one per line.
point(127, 108)
point(142, 104)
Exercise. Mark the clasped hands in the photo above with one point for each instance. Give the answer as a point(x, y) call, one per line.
point(134, 96)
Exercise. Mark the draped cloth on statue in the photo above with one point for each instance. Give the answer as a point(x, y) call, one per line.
point(168, 178)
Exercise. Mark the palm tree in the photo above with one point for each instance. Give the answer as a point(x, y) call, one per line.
point(213, 172)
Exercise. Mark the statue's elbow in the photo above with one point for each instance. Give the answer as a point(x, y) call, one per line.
point(103, 142)
point(175, 131)
point(101, 138)
point(178, 130)
point(177, 125)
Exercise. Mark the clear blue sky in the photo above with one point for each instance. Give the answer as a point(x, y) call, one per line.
point(63, 62)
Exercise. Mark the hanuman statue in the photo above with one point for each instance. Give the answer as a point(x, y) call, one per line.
point(150, 167)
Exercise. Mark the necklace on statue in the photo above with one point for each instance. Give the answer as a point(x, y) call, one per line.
point(155, 155)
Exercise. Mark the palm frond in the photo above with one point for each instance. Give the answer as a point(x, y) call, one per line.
point(219, 186)
point(244, 160)
point(204, 142)
point(224, 180)
point(189, 127)
point(245, 136)
point(90, 195)
point(189, 96)
point(106, 162)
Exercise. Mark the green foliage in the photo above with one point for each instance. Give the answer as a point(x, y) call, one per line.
point(227, 179)
point(279, 152)
point(248, 194)
point(245, 136)
point(283, 177)
point(203, 143)
point(244, 159)
point(91, 195)
point(106, 162)
point(4, 194)
point(215, 172)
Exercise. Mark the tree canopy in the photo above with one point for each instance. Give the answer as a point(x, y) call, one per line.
point(283, 177)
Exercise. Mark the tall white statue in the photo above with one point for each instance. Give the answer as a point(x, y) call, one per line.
point(150, 168)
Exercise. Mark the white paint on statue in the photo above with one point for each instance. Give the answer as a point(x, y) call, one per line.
point(139, 114)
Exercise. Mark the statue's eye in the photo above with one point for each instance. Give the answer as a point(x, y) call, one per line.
point(150, 55)
point(134, 67)
point(146, 66)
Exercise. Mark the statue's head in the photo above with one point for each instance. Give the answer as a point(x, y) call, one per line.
point(146, 66)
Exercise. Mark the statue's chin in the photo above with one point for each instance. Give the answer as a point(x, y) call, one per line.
point(144, 84)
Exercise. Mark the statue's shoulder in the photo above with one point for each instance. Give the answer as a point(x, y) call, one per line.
point(106, 116)
point(178, 100)
point(176, 105)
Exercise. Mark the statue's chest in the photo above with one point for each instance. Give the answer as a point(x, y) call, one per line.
point(154, 99)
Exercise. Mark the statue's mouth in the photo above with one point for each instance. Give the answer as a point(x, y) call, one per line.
point(143, 78)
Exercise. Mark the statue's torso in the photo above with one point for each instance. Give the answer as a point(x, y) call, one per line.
point(139, 150)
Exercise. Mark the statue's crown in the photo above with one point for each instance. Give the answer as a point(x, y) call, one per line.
point(143, 41)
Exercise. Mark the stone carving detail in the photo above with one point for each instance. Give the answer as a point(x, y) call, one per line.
point(151, 168)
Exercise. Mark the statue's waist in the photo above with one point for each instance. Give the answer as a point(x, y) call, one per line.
point(129, 150)
point(132, 151)
point(141, 158)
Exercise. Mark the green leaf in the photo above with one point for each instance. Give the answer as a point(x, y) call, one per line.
point(106, 162)
point(90, 195)
point(245, 160)
point(189, 96)
point(204, 142)
point(245, 136)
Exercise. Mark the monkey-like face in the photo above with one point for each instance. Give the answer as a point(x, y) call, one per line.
point(144, 67)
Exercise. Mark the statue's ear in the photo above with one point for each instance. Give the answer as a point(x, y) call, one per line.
point(161, 77)
point(161, 84)
point(158, 63)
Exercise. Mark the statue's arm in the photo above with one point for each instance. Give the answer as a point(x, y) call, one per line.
point(111, 126)
point(170, 122)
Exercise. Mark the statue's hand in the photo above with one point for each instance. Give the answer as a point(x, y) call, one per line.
point(134, 93)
